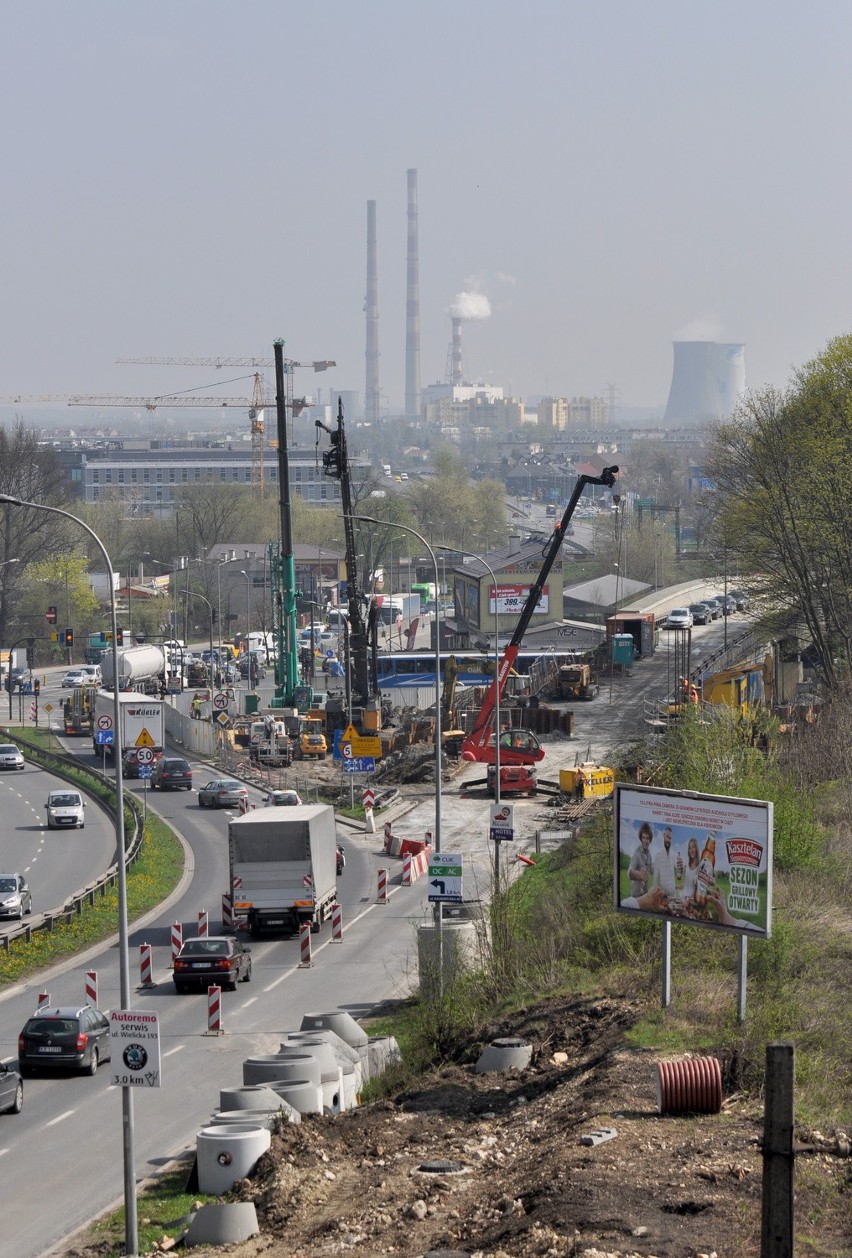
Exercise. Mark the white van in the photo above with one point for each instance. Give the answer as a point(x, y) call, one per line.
point(337, 616)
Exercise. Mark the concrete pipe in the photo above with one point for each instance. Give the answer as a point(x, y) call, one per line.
point(228, 1152)
point(339, 1021)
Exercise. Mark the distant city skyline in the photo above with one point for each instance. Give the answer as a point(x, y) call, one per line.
point(594, 183)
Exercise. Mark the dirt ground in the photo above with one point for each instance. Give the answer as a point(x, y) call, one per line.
point(496, 1164)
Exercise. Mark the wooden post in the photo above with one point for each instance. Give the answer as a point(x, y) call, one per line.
point(776, 1234)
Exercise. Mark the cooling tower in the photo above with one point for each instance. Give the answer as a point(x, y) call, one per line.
point(731, 375)
point(694, 397)
point(412, 308)
point(371, 391)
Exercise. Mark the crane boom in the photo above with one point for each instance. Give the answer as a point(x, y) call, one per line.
point(478, 745)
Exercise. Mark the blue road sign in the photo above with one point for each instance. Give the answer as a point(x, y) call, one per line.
point(359, 764)
point(144, 770)
point(104, 737)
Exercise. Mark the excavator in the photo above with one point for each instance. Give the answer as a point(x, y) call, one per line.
point(520, 750)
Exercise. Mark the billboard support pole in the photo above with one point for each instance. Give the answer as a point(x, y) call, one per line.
point(742, 976)
point(667, 964)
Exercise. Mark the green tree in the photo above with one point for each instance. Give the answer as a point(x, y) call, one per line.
point(782, 467)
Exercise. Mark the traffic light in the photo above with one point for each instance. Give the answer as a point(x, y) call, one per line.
point(69, 637)
point(119, 637)
point(50, 615)
point(36, 686)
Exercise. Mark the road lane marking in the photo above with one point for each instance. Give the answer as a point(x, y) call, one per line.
point(248, 1002)
point(60, 1118)
point(177, 1049)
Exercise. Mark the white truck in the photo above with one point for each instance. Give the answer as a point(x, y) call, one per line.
point(136, 665)
point(283, 867)
point(141, 721)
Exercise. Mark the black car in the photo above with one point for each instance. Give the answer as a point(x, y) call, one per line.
point(214, 961)
point(740, 599)
point(172, 773)
point(715, 607)
point(728, 604)
point(700, 613)
point(130, 765)
point(66, 1036)
point(11, 1090)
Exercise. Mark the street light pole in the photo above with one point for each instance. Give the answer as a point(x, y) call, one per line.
point(248, 610)
point(209, 606)
point(131, 1233)
point(369, 519)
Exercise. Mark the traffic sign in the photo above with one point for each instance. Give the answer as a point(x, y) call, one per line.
point(224, 720)
point(144, 756)
point(359, 764)
point(368, 798)
point(48, 707)
point(144, 739)
point(145, 770)
point(346, 750)
point(445, 877)
point(105, 722)
point(220, 701)
point(104, 737)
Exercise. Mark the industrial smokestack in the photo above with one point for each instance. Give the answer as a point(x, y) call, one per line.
point(456, 364)
point(371, 391)
point(694, 397)
point(412, 307)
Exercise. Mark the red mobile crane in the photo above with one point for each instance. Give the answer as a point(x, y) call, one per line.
point(520, 746)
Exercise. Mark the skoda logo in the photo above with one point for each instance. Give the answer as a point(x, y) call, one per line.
point(135, 1057)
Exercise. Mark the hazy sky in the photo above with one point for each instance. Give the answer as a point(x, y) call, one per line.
point(190, 178)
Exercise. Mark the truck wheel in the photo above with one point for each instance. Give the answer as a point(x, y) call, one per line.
point(315, 926)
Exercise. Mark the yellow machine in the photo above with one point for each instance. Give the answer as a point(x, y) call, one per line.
point(587, 781)
point(78, 710)
point(312, 741)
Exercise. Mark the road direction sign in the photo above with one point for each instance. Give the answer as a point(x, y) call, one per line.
point(445, 877)
point(104, 737)
point(359, 764)
point(105, 721)
point(144, 756)
point(368, 798)
point(220, 701)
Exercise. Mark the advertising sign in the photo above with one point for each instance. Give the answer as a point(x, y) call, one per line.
point(511, 599)
point(502, 826)
point(704, 860)
point(134, 1039)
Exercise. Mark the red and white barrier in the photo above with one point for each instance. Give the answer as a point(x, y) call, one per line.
point(388, 836)
point(382, 887)
point(214, 1010)
point(227, 913)
point(336, 923)
point(406, 870)
point(305, 946)
point(146, 965)
point(92, 988)
point(202, 924)
point(414, 866)
point(243, 806)
point(177, 940)
point(43, 1001)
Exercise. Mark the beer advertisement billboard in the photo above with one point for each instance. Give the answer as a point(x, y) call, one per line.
point(703, 860)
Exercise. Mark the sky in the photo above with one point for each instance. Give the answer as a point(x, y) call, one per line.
point(189, 178)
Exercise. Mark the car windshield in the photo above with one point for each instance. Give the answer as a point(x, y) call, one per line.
point(41, 1028)
point(8, 884)
point(174, 766)
point(7, 750)
point(64, 801)
point(228, 786)
point(206, 948)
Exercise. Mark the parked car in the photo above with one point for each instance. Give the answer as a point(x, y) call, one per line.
point(172, 773)
point(217, 960)
point(679, 618)
point(283, 799)
point(76, 1038)
point(11, 757)
point(222, 793)
point(700, 613)
point(74, 677)
point(11, 1090)
point(715, 607)
point(15, 897)
point(65, 810)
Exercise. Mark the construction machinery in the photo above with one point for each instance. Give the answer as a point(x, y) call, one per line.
point(520, 746)
point(576, 681)
point(78, 710)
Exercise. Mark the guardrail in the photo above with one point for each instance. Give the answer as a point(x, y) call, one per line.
point(60, 765)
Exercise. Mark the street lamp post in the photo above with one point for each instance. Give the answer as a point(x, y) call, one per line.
point(130, 1221)
point(248, 612)
point(209, 606)
point(369, 519)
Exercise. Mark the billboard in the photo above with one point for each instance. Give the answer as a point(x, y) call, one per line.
point(704, 860)
point(506, 600)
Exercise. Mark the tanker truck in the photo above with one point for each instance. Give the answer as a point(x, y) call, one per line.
point(136, 666)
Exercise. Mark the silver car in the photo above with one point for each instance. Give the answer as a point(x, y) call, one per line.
point(11, 756)
point(222, 793)
point(15, 896)
point(65, 810)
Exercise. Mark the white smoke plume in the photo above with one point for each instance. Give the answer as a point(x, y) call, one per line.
point(470, 306)
point(705, 328)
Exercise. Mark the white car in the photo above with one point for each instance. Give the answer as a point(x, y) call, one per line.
point(11, 756)
point(74, 677)
point(65, 809)
point(679, 618)
point(283, 799)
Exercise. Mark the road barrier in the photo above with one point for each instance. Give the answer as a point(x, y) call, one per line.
point(43, 1001)
point(382, 887)
point(227, 914)
point(146, 965)
point(92, 988)
point(177, 940)
point(202, 924)
point(336, 923)
point(214, 1010)
point(305, 946)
